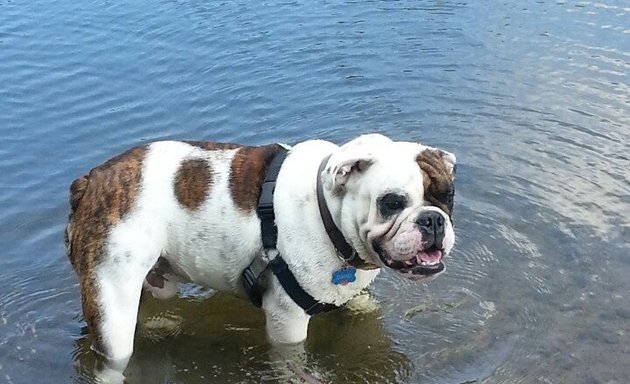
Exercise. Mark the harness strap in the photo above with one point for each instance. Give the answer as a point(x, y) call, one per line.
point(311, 306)
point(253, 275)
point(265, 211)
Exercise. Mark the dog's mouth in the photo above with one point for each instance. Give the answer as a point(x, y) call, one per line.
point(426, 262)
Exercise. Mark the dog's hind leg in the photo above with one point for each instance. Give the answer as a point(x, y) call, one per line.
point(113, 239)
point(110, 306)
point(130, 256)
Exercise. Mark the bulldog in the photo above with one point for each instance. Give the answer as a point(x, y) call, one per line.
point(175, 211)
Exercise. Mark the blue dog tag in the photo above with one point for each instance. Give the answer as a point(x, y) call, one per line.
point(344, 276)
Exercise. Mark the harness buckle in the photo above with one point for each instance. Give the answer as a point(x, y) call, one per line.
point(254, 279)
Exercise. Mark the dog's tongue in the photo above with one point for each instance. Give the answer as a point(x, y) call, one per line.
point(432, 256)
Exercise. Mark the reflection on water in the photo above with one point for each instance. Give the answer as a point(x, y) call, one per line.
point(533, 99)
point(223, 339)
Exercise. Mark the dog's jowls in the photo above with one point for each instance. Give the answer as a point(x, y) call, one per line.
point(186, 211)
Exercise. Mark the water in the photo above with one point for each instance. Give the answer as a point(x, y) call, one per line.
point(532, 97)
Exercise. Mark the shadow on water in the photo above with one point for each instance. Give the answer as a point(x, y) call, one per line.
point(222, 339)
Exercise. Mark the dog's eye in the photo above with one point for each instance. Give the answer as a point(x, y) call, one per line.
point(450, 194)
point(391, 203)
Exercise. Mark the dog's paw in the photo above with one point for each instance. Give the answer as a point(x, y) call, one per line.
point(363, 303)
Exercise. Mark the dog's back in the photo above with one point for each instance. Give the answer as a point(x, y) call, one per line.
point(162, 199)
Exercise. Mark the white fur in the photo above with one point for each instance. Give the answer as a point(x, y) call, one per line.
point(212, 245)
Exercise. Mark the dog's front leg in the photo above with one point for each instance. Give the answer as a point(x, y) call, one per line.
point(108, 372)
point(286, 322)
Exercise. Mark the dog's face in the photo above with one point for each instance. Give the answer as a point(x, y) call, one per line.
point(396, 198)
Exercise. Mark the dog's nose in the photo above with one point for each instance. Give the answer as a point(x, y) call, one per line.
point(431, 224)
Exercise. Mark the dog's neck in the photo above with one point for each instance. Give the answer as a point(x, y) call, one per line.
point(345, 251)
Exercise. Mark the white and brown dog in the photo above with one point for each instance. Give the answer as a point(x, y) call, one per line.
point(186, 211)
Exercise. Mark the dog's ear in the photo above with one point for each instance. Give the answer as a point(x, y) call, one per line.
point(450, 161)
point(352, 160)
point(338, 175)
point(437, 164)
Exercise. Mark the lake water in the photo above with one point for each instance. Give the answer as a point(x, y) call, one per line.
point(533, 97)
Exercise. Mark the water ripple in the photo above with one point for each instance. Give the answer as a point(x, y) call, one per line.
point(533, 99)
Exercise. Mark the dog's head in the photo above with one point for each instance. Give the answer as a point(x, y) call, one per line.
point(395, 202)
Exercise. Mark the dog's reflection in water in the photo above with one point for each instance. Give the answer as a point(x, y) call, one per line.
point(222, 339)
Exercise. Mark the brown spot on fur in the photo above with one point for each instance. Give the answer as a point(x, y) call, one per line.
point(77, 189)
point(91, 310)
point(98, 201)
point(438, 180)
point(247, 174)
point(212, 146)
point(192, 182)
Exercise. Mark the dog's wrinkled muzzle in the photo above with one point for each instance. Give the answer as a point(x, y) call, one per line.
point(418, 249)
point(432, 227)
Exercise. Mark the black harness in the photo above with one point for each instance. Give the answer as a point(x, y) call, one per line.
point(253, 275)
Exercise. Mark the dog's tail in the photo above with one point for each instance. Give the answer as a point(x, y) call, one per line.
point(77, 190)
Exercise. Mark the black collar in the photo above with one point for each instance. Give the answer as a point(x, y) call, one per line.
point(344, 250)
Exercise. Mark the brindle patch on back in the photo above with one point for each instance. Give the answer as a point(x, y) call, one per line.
point(192, 182)
point(438, 180)
point(98, 201)
point(247, 174)
point(212, 146)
